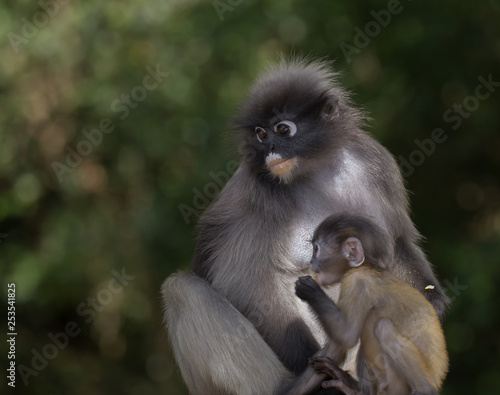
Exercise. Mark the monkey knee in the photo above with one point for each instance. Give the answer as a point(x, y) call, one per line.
point(172, 298)
point(182, 286)
point(174, 284)
point(184, 292)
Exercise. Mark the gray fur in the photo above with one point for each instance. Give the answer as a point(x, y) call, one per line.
point(254, 238)
point(221, 365)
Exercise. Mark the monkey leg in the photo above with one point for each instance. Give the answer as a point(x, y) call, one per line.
point(412, 260)
point(365, 375)
point(217, 349)
point(405, 359)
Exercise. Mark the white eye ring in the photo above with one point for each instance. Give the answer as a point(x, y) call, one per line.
point(260, 133)
point(287, 131)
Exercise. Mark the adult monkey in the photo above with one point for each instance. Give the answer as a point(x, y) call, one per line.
point(235, 324)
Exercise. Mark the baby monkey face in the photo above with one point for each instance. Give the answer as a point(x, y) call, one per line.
point(328, 264)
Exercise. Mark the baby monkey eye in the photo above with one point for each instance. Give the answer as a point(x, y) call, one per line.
point(285, 128)
point(261, 133)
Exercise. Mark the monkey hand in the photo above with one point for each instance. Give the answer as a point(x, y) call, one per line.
point(342, 380)
point(306, 288)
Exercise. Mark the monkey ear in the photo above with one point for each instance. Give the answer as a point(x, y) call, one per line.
point(353, 251)
point(330, 108)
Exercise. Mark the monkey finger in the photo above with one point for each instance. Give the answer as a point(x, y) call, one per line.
point(319, 369)
point(306, 281)
point(329, 368)
point(324, 369)
point(332, 384)
point(318, 358)
point(322, 362)
point(302, 279)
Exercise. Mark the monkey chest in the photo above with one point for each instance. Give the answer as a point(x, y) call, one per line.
point(300, 234)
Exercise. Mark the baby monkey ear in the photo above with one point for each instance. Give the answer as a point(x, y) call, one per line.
point(352, 249)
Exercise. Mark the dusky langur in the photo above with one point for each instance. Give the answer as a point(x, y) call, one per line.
point(402, 342)
point(234, 323)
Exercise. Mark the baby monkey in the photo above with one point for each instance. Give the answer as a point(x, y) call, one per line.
point(402, 347)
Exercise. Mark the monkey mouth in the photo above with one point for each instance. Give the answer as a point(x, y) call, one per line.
point(316, 272)
point(319, 278)
point(278, 165)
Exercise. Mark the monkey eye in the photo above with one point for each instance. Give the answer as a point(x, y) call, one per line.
point(285, 128)
point(315, 248)
point(261, 133)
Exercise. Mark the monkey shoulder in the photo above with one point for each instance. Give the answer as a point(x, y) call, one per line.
point(379, 157)
point(380, 165)
point(361, 281)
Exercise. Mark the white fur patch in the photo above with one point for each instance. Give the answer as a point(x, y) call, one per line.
point(280, 167)
point(272, 156)
point(352, 175)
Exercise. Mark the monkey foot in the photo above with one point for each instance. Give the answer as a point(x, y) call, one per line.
point(342, 380)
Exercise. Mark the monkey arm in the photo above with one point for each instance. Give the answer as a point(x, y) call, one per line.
point(411, 264)
point(333, 321)
point(343, 322)
point(336, 323)
point(355, 302)
point(425, 281)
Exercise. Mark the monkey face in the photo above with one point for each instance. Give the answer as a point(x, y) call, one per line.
point(275, 139)
point(284, 143)
point(287, 121)
point(328, 264)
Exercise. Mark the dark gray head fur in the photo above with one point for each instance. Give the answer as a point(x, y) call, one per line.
point(377, 244)
point(305, 93)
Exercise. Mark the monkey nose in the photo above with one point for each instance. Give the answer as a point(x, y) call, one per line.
point(272, 147)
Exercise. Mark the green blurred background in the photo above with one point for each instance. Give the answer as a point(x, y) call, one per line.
point(118, 209)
